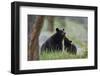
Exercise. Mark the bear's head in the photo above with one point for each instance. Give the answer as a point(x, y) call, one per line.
point(60, 33)
point(67, 42)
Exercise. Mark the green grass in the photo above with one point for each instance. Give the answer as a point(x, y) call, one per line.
point(61, 55)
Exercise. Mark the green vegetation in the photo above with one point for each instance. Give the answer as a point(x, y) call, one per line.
point(61, 55)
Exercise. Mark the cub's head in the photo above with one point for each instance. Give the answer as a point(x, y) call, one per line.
point(67, 41)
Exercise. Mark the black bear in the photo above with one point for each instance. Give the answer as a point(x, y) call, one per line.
point(71, 48)
point(54, 43)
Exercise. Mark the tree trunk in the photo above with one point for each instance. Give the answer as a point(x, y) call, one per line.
point(33, 50)
point(50, 23)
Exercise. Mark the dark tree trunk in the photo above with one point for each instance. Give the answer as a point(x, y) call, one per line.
point(33, 50)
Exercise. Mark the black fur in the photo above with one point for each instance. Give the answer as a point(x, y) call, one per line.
point(54, 43)
point(71, 48)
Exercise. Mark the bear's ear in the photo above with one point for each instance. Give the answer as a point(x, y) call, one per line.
point(63, 29)
point(57, 29)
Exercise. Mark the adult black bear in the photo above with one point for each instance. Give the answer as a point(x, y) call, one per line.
point(71, 48)
point(54, 43)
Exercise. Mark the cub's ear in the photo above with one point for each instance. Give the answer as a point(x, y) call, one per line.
point(57, 29)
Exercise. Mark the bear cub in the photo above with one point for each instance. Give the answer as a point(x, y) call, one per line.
point(71, 48)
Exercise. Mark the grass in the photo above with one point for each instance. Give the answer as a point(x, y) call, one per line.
point(61, 55)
